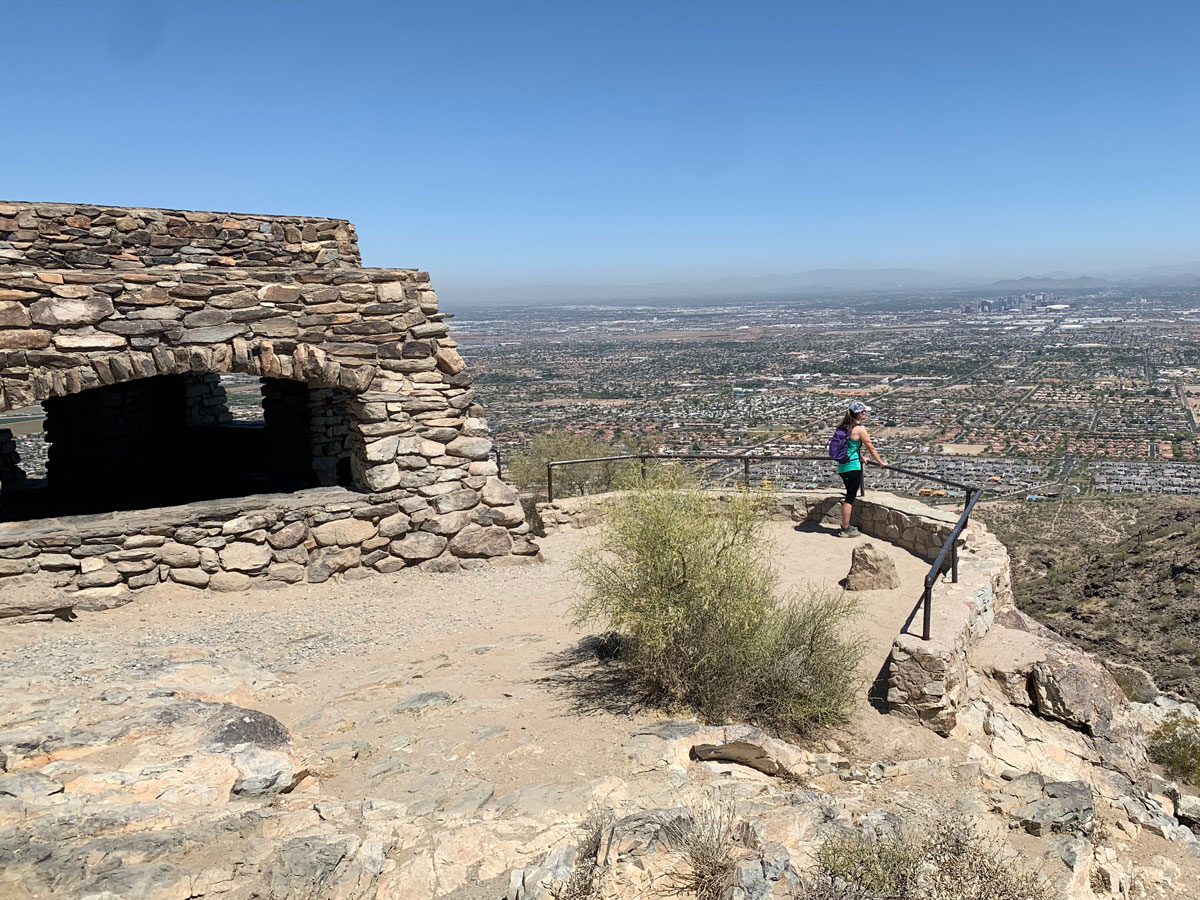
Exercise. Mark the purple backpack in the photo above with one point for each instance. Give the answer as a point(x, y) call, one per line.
point(839, 445)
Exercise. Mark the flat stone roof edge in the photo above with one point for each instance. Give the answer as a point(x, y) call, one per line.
point(281, 217)
point(109, 274)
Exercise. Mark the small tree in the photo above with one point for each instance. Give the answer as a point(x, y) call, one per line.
point(528, 469)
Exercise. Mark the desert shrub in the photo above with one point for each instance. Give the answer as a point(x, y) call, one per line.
point(1176, 746)
point(710, 848)
point(687, 580)
point(583, 881)
point(951, 861)
point(1134, 685)
point(528, 468)
point(855, 867)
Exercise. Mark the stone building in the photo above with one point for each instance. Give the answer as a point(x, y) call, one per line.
point(372, 454)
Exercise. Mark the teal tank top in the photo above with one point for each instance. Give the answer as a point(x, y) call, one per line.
point(854, 463)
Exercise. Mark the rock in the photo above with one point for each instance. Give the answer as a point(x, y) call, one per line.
point(644, 832)
point(290, 573)
point(242, 556)
point(229, 582)
point(178, 556)
point(1074, 688)
point(97, 341)
point(747, 882)
point(235, 725)
point(449, 361)
point(326, 562)
point(871, 569)
point(1076, 856)
point(262, 773)
point(418, 546)
point(245, 524)
point(1066, 807)
point(477, 542)
point(33, 595)
point(751, 747)
point(344, 532)
point(456, 500)
point(469, 447)
point(289, 536)
point(424, 701)
point(1187, 809)
point(394, 525)
point(27, 339)
point(497, 493)
point(197, 577)
point(13, 315)
point(72, 313)
point(217, 334)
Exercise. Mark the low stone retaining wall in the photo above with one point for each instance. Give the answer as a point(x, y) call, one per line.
point(927, 680)
point(263, 541)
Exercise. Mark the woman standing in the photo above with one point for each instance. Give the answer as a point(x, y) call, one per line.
point(851, 468)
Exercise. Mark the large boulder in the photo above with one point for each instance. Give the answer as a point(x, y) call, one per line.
point(871, 569)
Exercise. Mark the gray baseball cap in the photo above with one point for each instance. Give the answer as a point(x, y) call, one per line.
point(858, 406)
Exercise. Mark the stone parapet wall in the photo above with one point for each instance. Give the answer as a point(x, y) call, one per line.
point(66, 236)
point(95, 562)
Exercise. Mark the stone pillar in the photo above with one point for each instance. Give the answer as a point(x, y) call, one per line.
point(206, 401)
point(10, 460)
point(329, 436)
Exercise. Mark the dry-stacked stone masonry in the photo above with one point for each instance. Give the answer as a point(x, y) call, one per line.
point(373, 455)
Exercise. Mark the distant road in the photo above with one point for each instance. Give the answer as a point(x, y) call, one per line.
point(1181, 388)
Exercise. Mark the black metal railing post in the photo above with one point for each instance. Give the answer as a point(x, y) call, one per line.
point(549, 482)
point(954, 561)
point(643, 461)
point(746, 471)
point(926, 602)
point(499, 467)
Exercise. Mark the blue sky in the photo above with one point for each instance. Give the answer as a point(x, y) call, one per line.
point(502, 144)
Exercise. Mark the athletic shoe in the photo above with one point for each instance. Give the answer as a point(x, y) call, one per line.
point(849, 532)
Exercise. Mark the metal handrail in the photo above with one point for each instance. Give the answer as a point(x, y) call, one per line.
point(971, 494)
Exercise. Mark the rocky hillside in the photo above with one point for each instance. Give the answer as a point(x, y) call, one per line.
point(1120, 578)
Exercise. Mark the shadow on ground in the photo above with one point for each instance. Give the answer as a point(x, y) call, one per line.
point(590, 677)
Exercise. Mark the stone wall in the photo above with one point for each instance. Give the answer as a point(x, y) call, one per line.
point(263, 541)
point(64, 236)
point(389, 405)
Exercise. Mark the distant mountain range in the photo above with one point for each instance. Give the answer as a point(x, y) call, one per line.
point(825, 281)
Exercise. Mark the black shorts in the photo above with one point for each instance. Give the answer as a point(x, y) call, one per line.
point(853, 481)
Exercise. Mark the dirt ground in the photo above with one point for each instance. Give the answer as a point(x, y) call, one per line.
point(498, 641)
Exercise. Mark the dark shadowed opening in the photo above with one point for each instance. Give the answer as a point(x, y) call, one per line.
point(171, 439)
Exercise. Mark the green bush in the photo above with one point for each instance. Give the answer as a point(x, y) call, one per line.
point(951, 861)
point(686, 579)
point(528, 468)
point(1176, 746)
